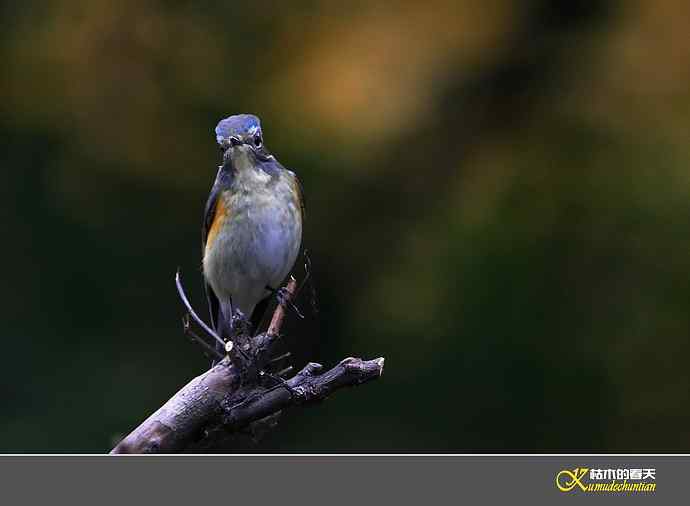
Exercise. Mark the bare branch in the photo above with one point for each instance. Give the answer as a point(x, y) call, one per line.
point(233, 399)
point(212, 404)
point(181, 420)
point(304, 387)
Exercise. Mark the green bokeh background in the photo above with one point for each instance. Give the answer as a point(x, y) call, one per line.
point(498, 198)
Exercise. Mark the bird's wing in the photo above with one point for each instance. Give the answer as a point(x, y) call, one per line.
point(299, 190)
point(209, 215)
point(274, 168)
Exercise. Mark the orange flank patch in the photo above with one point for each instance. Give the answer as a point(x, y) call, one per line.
point(218, 219)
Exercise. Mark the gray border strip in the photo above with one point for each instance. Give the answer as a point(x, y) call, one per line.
point(343, 479)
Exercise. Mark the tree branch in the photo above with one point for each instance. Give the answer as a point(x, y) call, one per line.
point(211, 405)
point(237, 397)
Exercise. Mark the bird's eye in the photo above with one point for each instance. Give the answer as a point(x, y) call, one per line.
point(257, 140)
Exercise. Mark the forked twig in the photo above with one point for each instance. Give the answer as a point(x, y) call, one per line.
point(193, 335)
point(188, 306)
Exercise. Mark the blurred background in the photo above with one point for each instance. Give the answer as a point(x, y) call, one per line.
point(498, 200)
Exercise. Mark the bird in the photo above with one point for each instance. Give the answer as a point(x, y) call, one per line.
point(252, 227)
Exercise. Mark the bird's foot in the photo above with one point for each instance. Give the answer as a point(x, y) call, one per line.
point(241, 326)
point(285, 299)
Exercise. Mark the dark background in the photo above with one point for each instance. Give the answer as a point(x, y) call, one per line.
point(497, 196)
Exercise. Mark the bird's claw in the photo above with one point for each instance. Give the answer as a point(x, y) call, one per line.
point(240, 324)
point(285, 299)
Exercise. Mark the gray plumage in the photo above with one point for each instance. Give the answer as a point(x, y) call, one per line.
point(252, 228)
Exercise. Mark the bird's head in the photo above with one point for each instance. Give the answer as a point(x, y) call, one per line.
point(241, 140)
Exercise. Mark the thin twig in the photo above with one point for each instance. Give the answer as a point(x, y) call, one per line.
point(285, 371)
point(188, 306)
point(280, 358)
point(189, 332)
point(279, 314)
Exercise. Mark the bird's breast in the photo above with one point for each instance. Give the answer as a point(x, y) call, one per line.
point(256, 243)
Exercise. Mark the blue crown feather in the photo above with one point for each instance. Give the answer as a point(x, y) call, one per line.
point(239, 124)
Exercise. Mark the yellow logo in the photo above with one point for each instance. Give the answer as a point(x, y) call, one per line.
point(567, 480)
point(607, 480)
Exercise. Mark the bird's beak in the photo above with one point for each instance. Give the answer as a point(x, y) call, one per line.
point(233, 149)
point(230, 142)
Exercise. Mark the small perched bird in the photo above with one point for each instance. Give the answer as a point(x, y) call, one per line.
point(252, 228)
